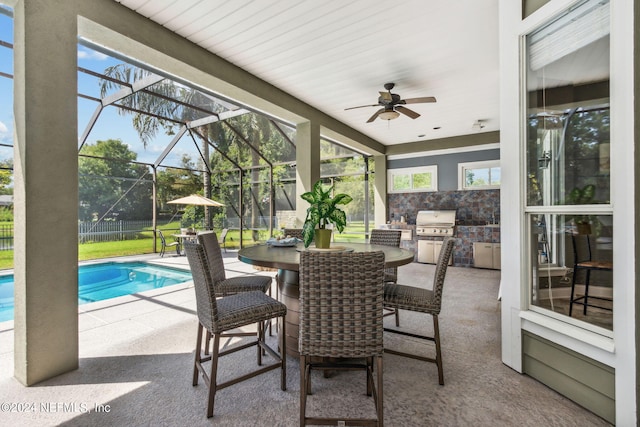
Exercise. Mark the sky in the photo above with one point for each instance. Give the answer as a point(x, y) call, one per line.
point(110, 125)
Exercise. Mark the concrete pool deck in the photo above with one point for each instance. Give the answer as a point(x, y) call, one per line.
point(136, 361)
point(178, 298)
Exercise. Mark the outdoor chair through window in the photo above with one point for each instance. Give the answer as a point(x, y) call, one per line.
point(583, 261)
point(220, 315)
point(403, 297)
point(341, 326)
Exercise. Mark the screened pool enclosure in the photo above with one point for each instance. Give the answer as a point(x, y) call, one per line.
point(146, 138)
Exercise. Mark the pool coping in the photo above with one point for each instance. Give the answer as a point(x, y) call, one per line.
point(176, 301)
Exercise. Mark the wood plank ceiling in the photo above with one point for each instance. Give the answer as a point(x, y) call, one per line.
point(334, 54)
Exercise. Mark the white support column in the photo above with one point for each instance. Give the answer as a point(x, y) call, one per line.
point(46, 190)
point(307, 164)
point(380, 189)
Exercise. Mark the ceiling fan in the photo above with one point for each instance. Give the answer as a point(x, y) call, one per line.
point(392, 105)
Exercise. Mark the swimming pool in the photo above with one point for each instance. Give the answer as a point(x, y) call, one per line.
point(97, 282)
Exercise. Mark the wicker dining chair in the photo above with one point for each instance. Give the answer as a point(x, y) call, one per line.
point(392, 238)
point(380, 236)
point(293, 232)
point(228, 286)
point(288, 232)
point(341, 298)
point(422, 300)
point(220, 315)
point(224, 286)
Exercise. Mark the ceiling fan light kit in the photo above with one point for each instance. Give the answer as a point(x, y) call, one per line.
point(389, 115)
point(392, 105)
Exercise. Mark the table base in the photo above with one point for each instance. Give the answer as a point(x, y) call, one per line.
point(289, 295)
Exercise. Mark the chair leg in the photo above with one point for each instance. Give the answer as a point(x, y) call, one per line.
point(586, 292)
point(397, 316)
point(277, 299)
point(213, 377)
point(207, 343)
point(369, 373)
point(379, 393)
point(260, 337)
point(303, 389)
point(573, 289)
point(283, 356)
point(197, 360)
point(436, 338)
point(271, 320)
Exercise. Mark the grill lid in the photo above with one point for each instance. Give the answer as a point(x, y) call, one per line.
point(440, 218)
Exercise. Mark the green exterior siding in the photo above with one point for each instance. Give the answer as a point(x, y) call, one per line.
point(585, 381)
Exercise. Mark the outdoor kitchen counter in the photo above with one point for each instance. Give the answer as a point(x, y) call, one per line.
point(468, 235)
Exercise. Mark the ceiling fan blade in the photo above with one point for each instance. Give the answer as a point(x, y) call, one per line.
point(386, 96)
point(375, 116)
point(424, 99)
point(407, 112)
point(361, 106)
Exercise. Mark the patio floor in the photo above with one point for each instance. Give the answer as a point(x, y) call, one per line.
point(136, 358)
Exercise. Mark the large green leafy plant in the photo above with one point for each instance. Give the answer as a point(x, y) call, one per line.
point(323, 210)
point(583, 196)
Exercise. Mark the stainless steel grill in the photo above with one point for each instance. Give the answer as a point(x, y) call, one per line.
point(436, 223)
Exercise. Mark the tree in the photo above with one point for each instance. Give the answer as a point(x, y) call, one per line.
point(110, 186)
point(6, 176)
point(167, 102)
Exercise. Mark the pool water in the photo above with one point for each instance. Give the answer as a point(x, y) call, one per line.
point(97, 282)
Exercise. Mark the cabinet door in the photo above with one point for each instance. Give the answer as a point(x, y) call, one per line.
point(483, 255)
point(497, 260)
point(425, 251)
point(437, 247)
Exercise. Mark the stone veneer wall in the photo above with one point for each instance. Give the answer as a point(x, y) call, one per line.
point(474, 209)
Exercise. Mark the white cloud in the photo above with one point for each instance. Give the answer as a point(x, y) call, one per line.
point(91, 54)
point(6, 136)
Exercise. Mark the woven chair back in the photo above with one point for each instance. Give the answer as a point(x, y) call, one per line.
point(293, 232)
point(385, 237)
point(441, 272)
point(203, 284)
point(212, 250)
point(341, 296)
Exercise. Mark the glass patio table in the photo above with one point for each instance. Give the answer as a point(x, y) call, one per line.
point(287, 261)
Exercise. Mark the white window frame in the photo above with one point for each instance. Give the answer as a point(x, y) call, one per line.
point(433, 170)
point(486, 164)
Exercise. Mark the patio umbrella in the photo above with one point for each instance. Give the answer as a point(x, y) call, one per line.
point(195, 199)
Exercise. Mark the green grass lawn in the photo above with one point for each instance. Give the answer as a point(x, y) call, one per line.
point(144, 245)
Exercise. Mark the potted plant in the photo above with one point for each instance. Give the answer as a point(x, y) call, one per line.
point(582, 196)
point(323, 210)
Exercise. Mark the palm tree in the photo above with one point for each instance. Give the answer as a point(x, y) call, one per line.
point(162, 106)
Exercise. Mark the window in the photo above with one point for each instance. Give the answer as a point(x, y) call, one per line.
point(479, 175)
point(568, 168)
point(407, 180)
